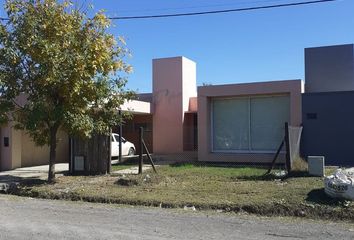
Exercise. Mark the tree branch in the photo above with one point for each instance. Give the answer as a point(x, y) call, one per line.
point(18, 105)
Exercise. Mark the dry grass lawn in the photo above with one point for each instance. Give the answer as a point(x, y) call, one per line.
point(205, 187)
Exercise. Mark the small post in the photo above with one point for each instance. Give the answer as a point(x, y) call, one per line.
point(109, 142)
point(275, 157)
point(71, 156)
point(120, 136)
point(149, 157)
point(141, 133)
point(287, 147)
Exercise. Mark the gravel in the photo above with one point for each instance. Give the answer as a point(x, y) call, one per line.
point(27, 218)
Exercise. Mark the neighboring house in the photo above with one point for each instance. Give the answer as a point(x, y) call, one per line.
point(328, 112)
point(241, 123)
point(18, 150)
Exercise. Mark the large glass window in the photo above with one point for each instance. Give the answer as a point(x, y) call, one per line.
point(231, 120)
point(249, 123)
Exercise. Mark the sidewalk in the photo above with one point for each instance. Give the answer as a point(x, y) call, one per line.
point(37, 171)
point(10, 179)
point(38, 174)
point(132, 170)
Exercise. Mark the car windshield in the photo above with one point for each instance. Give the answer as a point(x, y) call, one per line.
point(116, 137)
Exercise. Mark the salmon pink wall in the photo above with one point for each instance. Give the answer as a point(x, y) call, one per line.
point(174, 82)
point(292, 87)
point(193, 104)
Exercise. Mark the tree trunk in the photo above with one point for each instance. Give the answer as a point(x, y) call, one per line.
point(52, 154)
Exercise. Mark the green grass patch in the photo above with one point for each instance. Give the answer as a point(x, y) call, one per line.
point(205, 187)
point(203, 170)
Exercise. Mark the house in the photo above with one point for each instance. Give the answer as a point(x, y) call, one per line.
point(328, 112)
point(242, 123)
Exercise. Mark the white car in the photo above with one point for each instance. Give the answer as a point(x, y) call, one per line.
point(128, 148)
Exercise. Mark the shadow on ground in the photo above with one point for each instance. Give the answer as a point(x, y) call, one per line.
point(276, 174)
point(319, 196)
point(21, 180)
point(11, 184)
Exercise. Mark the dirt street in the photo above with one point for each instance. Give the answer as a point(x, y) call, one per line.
point(25, 218)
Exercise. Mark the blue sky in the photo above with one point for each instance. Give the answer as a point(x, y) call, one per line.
point(250, 46)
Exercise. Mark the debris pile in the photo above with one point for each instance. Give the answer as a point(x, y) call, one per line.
point(340, 184)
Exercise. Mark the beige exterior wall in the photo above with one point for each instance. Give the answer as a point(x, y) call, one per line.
point(16, 145)
point(22, 151)
point(11, 154)
point(293, 88)
point(174, 82)
point(33, 155)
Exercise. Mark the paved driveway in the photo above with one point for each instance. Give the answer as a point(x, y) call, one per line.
point(38, 173)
